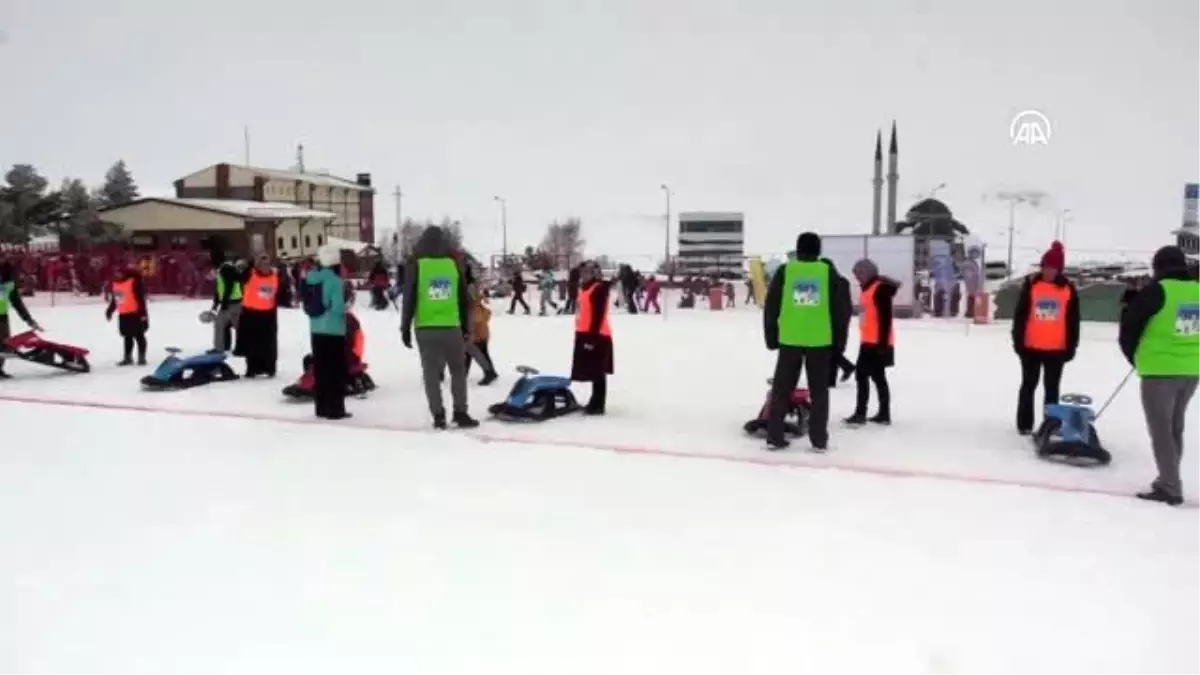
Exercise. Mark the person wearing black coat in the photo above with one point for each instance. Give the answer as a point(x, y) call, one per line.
point(572, 290)
point(792, 359)
point(592, 360)
point(1045, 333)
point(875, 351)
point(518, 293)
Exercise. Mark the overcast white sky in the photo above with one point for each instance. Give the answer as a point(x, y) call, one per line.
point(584, 107)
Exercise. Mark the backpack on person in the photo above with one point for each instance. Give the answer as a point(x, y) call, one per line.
point(312, 298)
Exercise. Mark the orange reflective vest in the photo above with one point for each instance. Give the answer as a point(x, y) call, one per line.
point(124, 297)
point(1046, 325)
point(868, 322)
point(584, 313)
point(358, 340)
point(259, 293)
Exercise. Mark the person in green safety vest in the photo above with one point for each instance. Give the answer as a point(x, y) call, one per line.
point(1160, 336)
point(437, 303)
point(806, 322)
point(227, 300)
point(10, 297)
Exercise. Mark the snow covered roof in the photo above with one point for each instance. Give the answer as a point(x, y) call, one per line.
point(316, 178)
point(238, 207)
point(347, 244)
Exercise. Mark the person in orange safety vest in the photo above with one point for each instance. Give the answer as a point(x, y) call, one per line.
point(128, 302)
point(258, 324)
point(593, 357)
point(876, 343)
point(1045, 332)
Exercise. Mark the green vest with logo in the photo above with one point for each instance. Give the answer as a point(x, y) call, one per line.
point(236, 294)
point(437, 289)
point(6, 289)
point(1170, 345)
point(804, 319)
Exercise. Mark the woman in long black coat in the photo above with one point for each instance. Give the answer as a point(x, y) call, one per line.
point(593, 357)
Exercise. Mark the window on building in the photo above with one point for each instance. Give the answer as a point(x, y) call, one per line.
point(295, 244)
point(320, 240)
point(279, 243)
point(307, 241)
point(179, 242)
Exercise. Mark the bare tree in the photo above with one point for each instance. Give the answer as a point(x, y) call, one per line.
point(563, 242)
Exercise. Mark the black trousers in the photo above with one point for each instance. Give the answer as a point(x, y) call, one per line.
point(1033, 366)
point(870, 371)
point(133, 332)
point(788, 365)
point(572, 298)
point(518, 298)
point(330, 370)
point(840, 362)
point(483, 349)
point(599, 394)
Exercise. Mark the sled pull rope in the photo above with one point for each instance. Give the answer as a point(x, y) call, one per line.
point(1116, 391)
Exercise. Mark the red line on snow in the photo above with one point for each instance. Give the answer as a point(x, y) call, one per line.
point(785, 460)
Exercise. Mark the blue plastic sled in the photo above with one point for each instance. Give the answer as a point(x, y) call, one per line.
point(192, 371)
point(1068, 433)
point(536, 398)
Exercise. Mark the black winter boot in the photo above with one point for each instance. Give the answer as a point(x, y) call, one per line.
point(464, 421)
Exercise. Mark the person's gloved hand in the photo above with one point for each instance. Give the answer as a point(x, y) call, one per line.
point(406, 337)
point(108, 314)
point(1070, 356)
point(145, 322)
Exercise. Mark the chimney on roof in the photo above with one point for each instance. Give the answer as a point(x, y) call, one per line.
point(363, 179)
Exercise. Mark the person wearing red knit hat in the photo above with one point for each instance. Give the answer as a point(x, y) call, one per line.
point(1045, 332)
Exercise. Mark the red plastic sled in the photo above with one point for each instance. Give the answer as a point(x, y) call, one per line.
point(358, 384)
point(28, 346)
point(795, 421)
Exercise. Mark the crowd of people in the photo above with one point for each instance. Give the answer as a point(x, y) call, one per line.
point(806, 319)
point(807, 314)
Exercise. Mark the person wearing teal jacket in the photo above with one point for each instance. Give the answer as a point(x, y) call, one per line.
point(1160, 337)
point(323, 292)
point(806, 322)
point(438, 304)
point(10, 297)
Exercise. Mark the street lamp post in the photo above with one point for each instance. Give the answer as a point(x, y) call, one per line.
point(1013, 198)
point(1060, 226)
point(503, 230)
point(667, 229)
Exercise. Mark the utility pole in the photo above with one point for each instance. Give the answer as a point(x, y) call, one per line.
point(246, 142)
point(1060, 224)
point(300, 158)
point(503, 228)
point(399, 202)
point(1033, 198)
point(667, 229)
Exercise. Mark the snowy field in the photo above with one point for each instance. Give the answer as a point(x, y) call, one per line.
point(221, 530)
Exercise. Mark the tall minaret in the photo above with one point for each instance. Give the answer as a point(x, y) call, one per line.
point(877, 186)
point(893, 177)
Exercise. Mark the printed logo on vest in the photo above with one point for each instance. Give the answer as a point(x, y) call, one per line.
point(1046, 310)
point(266, 292)
point(119, 298)
point(806, 293)
point(439, 288)
point(1187, 320)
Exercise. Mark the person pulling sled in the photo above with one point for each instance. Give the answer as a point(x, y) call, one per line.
point(10, 296)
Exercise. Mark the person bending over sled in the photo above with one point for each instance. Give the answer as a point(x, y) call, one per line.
point(258, 325)
point(356, 347)
point(876, 343)
point(324, 297)
point(128, 302)
point(803, 320)
point(1045, 333)
point(10, 296)
point(593, 357)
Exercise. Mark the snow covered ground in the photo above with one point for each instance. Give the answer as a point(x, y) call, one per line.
point(223, 530)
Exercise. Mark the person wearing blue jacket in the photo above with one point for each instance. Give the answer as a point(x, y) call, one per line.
point(323, 292)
